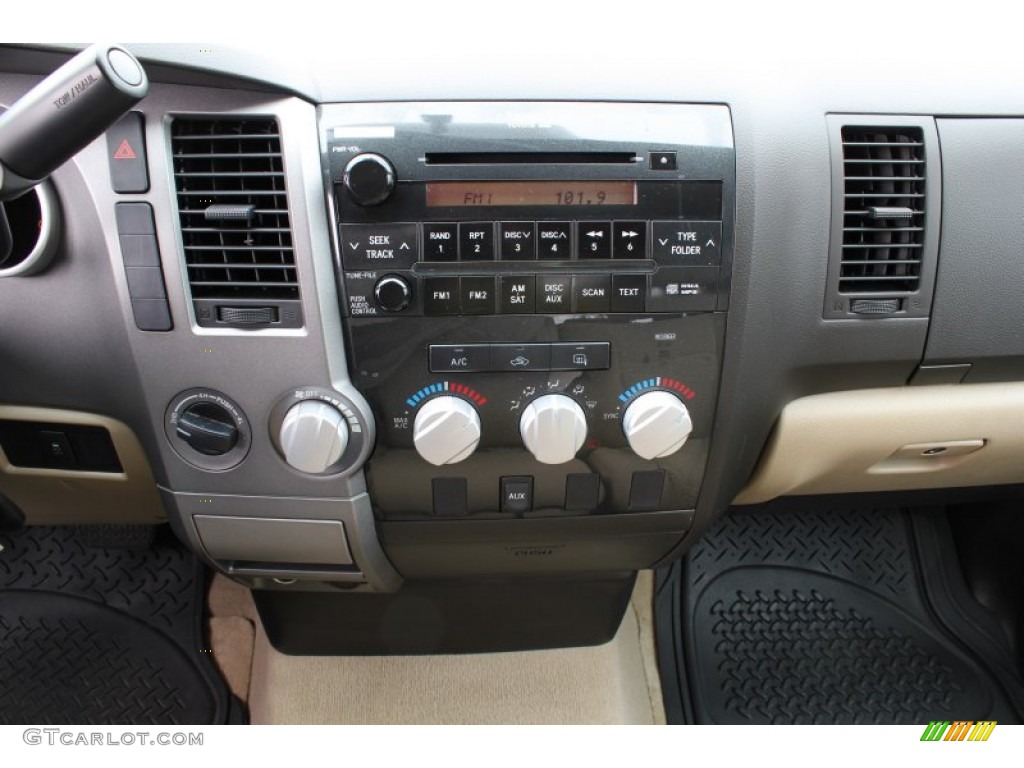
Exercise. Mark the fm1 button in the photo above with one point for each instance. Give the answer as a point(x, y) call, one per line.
point(685, 243)
point(554, 240)
point(516, 494)
point(449, 358)
point(441, 296)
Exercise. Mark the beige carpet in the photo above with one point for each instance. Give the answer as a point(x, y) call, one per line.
point(613, 683)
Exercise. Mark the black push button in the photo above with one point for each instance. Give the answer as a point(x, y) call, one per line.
point(378, 246)
point(682, 243)
point(152, 314)
point(683, 289)
point(663, 161)
point(554, 240)
point(554, 294)
point(588, 356)
point(477, 295)
point(134, 219)
point(582, 492)
point(126, 151)
point(56, 449)
point(518, 241)
point(440, 242)
point(450, 496)
point(594, 239)
point(140, 251)
point(145, 283)
point(645, 490)
point(476, 241)
point(516, 494)
point(520, 357)
point(630, 239)
point(517, 295)
point(629, 293)
point(452, 358)
point(591, 293)
point(441, 296)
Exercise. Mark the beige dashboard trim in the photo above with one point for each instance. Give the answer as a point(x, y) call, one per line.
point(905, 438)
point(65, 497)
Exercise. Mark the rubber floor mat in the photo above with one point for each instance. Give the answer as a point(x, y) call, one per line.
point(98, 635)
point(819, 616)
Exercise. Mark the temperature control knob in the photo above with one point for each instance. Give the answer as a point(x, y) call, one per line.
point(369, 179)
point(313, 436)
point(553, 428)
point(656, 424)
point(446, 430)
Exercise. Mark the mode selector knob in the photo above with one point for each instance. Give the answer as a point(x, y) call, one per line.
point(313, 436)
point(369, 179)
point(553, 428)
point(392, 293)
point(656, 424)
point(446, 430)
point(208, 428)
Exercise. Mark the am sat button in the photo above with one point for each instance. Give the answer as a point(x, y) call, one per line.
point(520, 357)
point(452, 358)
point(517, 295)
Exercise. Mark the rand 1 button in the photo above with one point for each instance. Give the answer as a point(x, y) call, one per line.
point(520, 357)
point(517, 295)
point(452, 358)
point(585, 356)
point(518, 241)
point(554, 240)
point(683, 289)
point(629, 293)
point(591, 293)
point(441, 296)
point(379, 246)
point(594, 239)
point(684, 243)
point(476, 241)
point(476, 295)
point(554, 294)
point(440, 242)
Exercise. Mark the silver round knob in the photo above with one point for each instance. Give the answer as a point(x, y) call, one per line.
point(446, 430)
point(553, 428)
point(656, 424)
point(313, 436)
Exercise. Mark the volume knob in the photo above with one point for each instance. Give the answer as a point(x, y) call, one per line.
point(553, 428)
point(369, 179)
point(656, 424)
point(446, 430)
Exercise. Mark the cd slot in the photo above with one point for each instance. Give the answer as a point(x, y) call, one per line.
point(532, 158)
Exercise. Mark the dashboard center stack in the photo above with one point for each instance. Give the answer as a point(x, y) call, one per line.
point(535, 300)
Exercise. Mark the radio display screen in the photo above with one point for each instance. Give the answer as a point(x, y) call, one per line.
point(471, 194)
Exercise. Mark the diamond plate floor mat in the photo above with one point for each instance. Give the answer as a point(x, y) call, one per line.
point(96, 634)
point(819, 616)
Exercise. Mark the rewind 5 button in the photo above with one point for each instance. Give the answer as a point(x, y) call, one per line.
point(594, 239)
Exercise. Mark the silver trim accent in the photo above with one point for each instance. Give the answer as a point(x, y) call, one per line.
point(45, 249)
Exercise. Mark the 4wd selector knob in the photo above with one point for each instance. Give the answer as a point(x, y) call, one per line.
point(313, 436)
point(369, 178)
point(446, 430)
point(656, 424)
point(553, 428)
point(208, 428)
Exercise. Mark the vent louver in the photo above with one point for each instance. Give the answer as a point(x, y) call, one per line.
point(883, 210)
point(233, 210)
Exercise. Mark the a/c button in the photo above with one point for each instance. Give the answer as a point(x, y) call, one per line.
point(451, 358)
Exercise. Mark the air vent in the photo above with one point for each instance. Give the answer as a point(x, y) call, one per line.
point(883, 246)
point(233, 209)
